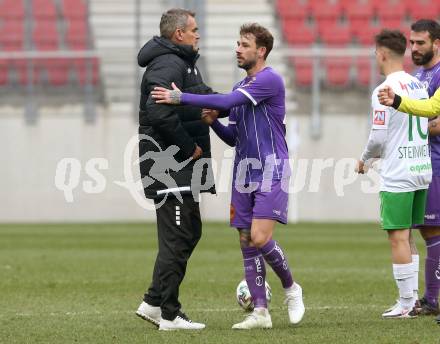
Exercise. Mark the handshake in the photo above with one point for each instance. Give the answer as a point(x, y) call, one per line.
point(209, 116)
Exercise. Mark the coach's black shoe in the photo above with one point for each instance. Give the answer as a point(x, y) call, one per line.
point(438, 320)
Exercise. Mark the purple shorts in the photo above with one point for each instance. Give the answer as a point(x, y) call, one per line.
point(432, 211)
point(270, 203)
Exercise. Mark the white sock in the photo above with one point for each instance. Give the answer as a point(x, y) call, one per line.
point(261, 311)
point(415, 262)
point(403, 274)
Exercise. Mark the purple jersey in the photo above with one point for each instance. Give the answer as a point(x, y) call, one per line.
point(430, 78)
point(259, 128)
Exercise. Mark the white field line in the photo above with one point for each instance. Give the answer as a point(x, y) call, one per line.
point(189, 310)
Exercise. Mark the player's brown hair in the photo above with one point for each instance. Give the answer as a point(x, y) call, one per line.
point(263, 37)
point(393, 40)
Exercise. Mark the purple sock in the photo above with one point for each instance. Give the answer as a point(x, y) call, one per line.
point(432, 270)
point(255, 274)
point(274, 256)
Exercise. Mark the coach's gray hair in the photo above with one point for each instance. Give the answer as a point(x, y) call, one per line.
point(173, 19)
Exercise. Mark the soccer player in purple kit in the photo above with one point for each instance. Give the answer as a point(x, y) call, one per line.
point(425, 44)
point(261, 171)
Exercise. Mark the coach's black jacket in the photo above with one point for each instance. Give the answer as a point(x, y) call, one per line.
point(168, 125)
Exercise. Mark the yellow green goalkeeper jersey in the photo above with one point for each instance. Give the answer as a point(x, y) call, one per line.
point(424, 107)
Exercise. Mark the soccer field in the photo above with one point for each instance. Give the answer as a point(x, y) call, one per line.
point(83, 283)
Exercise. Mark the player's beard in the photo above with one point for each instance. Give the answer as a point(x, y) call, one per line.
point(246, 65)
point(422, 59)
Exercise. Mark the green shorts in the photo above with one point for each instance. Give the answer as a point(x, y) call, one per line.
point(402, 210)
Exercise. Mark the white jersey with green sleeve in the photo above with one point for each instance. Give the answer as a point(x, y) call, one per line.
point(406, 160)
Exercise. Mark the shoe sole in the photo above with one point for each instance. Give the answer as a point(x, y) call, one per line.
point(400, 317)
point(180, 329)
point(147, 318)
point(259, 327)
point(253, 328)
point(428, 312)
point(298, 321)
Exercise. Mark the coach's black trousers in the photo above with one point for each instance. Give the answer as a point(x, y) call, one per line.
point(179, 229)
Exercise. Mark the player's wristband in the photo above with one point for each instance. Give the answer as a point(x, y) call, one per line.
point(397, 101)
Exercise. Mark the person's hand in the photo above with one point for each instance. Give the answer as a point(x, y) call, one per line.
point(360, 167)
point(209, 116)
point(386, 96)
point(197, 153)
point(163, 95)
point(434, 126)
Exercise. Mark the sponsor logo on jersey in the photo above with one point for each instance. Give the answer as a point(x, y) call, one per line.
point(413, 85)
point(250, 82)
point(379, 117)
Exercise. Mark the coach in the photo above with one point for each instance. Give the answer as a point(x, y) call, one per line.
point(167, 176)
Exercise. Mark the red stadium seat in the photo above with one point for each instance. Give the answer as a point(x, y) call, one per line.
point(422, 9)
point(335, 35)
point(11, 9)
point(337, 71)
point(391, 23)
point(44, 9)
point(366, 36)
point(77, 35)
point(4, 68)
point(87, 70)
point(74, 9)
point(303, 67)
point(293, 10)
point(58, 71)
point(45, 35)
point(21, 68)
point(379, 4)
point(326, 14)
point(408, 65)
point(390, 15)
point(359, 15)
point(405, 29)
point(12, 35)
point(298, 34)
point(363, 71)
point(54, 71)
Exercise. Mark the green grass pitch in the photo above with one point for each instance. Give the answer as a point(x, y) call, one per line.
point(83, 283)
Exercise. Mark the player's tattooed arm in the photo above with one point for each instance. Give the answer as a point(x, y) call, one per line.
point(166, 96)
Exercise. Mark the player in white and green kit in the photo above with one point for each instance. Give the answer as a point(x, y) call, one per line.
point(401, 141)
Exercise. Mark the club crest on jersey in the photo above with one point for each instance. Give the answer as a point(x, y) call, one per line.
point(379, 117)
point(250, 82)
